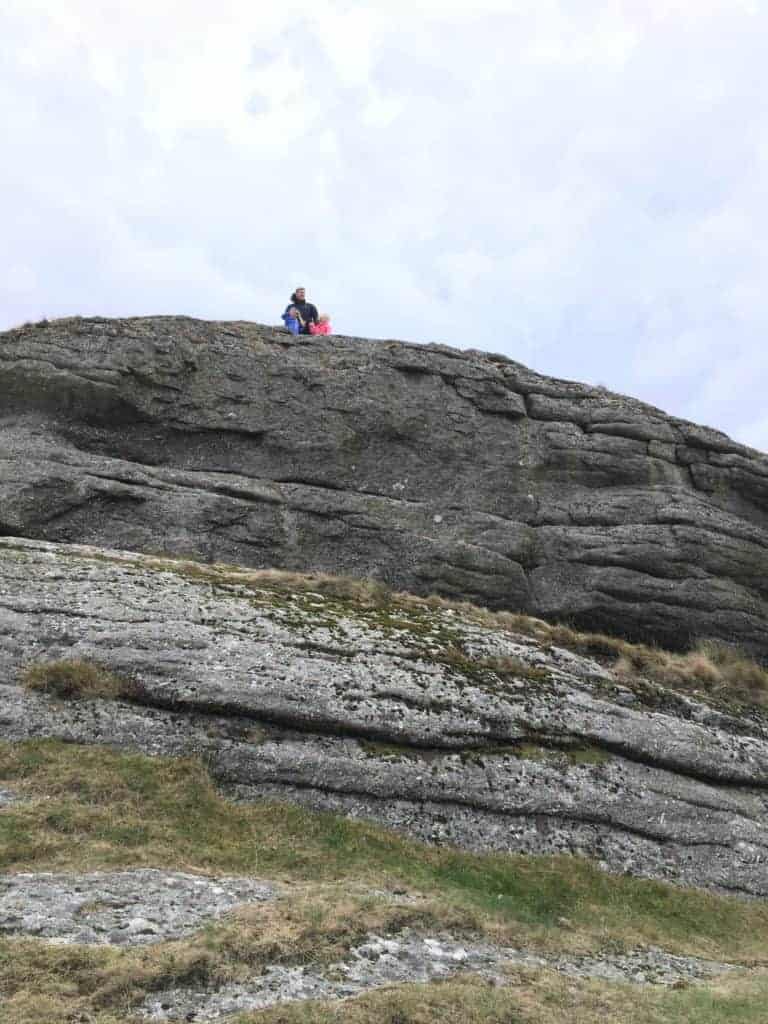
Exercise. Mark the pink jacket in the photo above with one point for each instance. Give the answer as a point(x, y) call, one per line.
point(320, 328)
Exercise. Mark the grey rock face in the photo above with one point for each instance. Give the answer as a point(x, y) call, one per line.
point(119, 908)
point(323, 703)
point(431, 469)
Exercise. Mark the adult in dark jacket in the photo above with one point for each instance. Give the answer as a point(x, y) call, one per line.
point(307, 311)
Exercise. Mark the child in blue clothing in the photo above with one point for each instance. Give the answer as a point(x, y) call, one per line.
point(292, 320)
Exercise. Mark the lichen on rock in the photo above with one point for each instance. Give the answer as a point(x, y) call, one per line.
point(288, 695)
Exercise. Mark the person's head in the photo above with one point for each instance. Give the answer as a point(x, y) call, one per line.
point(323, 318)
point(292, 311)
point(299, 295)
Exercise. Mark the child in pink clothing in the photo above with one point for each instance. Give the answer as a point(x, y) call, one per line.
point(323, 325)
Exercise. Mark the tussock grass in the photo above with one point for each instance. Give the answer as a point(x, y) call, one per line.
point(712, 667)
point(505, 665)
point(75, 679)
point(364, 592)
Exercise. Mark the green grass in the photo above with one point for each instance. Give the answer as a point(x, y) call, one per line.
point(528, 998)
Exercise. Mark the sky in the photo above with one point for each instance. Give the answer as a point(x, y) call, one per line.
point(582, 187)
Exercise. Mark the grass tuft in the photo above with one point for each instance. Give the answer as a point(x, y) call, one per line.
point(75, 679)
point(713, 667)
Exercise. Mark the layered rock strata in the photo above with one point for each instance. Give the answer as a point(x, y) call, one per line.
point(431, 469)
point(391, 713)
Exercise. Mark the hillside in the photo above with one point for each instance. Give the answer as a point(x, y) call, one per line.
point(290, 730)
point(133, 683)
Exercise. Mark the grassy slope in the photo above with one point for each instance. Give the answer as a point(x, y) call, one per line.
point(88, 808)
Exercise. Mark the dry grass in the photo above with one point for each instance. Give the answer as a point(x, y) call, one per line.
point(315, 925)
point(75, 679)
point(540, 997)
point(506, 665)
point(99, 986)
point(367, 593)
point(711, 668)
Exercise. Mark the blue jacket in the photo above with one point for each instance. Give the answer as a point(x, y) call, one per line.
point(292, 323)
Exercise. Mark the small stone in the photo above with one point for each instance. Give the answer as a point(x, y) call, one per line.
point(140, 926)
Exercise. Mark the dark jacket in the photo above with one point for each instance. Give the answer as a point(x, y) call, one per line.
point(306, 309)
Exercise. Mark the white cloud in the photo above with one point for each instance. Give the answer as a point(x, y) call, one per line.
point(583, 187)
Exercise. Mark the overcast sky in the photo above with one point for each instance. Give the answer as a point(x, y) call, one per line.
point(582, 186)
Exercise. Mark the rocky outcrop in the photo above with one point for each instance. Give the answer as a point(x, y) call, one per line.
point(418, 718)
point(119, 908)
point(431, 469)
point(149, 906)
point(391, 961)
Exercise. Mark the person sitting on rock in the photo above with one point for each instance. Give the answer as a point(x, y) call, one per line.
point(323, 325)
point(292, 320)
point(307, 312)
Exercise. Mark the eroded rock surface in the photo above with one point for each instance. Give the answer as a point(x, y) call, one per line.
point(389, 714)
point(407, 958)
point(432, 469)
point(119, 908)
